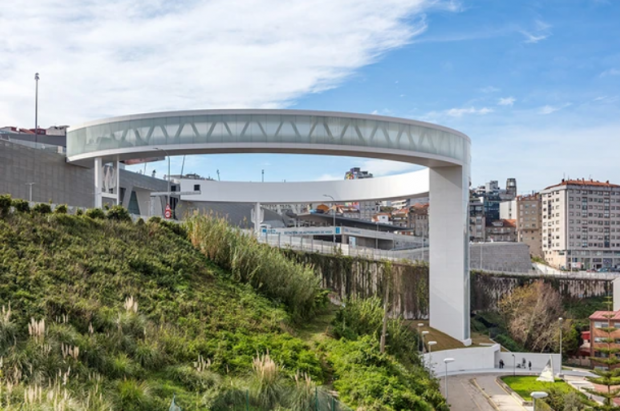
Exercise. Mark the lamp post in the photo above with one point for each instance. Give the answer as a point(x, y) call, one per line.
point(560, 321)
point(168, 155)
point(538, 395)
point(430, 355)
point(420, 325)
point(36, 109)
point(423, 334)
point(334, 204)
point(514, 365)
point(447, 361)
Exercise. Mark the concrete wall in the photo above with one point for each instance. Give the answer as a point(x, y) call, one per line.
point(62, 183)
point(54, 179)
point(465, 359)
point(539, 360)
point(484, 359)
point(506, 257)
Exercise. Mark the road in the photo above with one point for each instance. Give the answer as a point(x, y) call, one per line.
point(465, 393)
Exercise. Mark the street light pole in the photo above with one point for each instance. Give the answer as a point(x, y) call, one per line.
point(334, 204)
point(430, 355)
point(560, 320)
point(36, 109)
point(447, 361)
point(168, 155)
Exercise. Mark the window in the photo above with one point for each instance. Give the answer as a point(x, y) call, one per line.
point(196, 187)
point(599, 324)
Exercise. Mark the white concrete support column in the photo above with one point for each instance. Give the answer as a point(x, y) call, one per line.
point(117, 174)
point(98, 182)
point(449, 251)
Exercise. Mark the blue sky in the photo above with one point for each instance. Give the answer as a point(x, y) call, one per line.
point(535, 84)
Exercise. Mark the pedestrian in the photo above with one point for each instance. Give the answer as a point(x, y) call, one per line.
point(501, 364)
point(529, 364)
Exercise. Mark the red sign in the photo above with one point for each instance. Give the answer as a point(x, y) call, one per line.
point(168, 212)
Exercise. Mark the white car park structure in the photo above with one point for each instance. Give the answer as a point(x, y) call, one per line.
point(445, 153)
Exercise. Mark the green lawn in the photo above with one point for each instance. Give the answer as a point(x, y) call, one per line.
point(525, 385)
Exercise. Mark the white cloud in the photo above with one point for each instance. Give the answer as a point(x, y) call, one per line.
point(459, 112)
point(506, 101)
point(610, 72)
point(330, 177)
point(539, 32)
point(490, 89)
point(547, 109)
point(110, 57)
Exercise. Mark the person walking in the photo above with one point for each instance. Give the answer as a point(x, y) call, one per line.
point(501, 364)
point(529, 365)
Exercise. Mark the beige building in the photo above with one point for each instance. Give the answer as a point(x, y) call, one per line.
point(581, 224)
point(529, 222)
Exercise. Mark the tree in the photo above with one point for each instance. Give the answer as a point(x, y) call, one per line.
point(531, 313)
point(610, 376)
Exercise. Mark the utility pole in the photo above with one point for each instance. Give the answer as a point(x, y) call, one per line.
point(218, 175)
point(36, 109)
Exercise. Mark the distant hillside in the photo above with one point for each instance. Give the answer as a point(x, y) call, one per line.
point(100, 313)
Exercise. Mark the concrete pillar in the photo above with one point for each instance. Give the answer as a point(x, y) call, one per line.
point(98, 182)
point(258, 219)
point(449, 251)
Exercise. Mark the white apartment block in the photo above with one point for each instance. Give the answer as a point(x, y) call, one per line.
point(581, 224)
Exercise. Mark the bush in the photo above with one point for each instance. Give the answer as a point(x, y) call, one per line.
point(42, 208)
point(21, 206)
point(79, 212)
point(155, 220)
point(118, 213)
point(95, 213)
point(5, 204)
point(61, 209)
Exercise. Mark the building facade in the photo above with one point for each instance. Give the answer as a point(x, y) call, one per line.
point(501, 231)
point(529, 222)
point(581, 224)
point(600, 324)
point(477, 220)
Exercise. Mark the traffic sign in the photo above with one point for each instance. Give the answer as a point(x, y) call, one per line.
point(168, 212)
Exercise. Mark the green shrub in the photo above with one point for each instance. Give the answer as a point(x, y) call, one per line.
point(118, 213)
point(140, 222)
point(42, 208)
point(79, 212)
point(155, 220)
point(5, 204)
point(20, 205)
point(95, 213)
point(61, 209)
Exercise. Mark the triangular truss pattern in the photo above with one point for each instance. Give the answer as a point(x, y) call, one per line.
point(281, 128)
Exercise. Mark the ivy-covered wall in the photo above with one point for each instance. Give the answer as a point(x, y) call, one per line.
point(356, 277)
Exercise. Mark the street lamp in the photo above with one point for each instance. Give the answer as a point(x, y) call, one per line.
point(423, 334)
point(447, 361)
point(538, 395)
point(168, 155)
point(514, 365)
point(334, 204)
point(36, 109)
point(560, 321)
point(420, 325)
point(430, 355)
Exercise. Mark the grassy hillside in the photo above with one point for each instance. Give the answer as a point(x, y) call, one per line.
point(100, 313)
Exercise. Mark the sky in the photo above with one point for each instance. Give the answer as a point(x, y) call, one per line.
point(535, 84)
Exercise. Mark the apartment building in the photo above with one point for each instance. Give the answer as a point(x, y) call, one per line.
point(581, 224)
point(477, 219)
point(529, 222)
point(600, 323)
point(501, 231)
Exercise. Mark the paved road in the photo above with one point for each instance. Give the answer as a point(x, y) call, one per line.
point(464, 394)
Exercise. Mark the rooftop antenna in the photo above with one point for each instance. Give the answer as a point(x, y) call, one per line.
point(218, 175)
point(263, 175)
